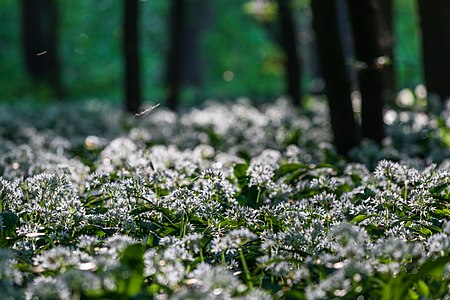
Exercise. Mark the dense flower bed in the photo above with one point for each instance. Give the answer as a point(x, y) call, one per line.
point(228, 201)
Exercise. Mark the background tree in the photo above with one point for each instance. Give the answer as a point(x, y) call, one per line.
point(387, 41)
point(40, 40)
point(132, 78)
point(288, 41)
point(335, 74)
point(175, 53)
point(188, 21)
point(277, 18)
point(369, 64)
point(435, 23)
point(198, 17)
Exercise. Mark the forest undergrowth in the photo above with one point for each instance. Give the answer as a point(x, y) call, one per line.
point(225, 201)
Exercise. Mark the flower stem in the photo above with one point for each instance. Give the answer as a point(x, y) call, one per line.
point(245, 267)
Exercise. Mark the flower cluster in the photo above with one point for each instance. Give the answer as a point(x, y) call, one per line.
point(229, 201)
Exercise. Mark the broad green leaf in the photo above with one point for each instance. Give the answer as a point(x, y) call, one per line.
point(133, 264)
point(10, 221)
point(141, 209)
point(444, 212)
point(240, 170)
point(7, 241)
point(359, 218)
point(412, 295)
point(422, 288)
point(151, 240)
point(290, 167)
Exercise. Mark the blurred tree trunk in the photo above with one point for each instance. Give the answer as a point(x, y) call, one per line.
point(288, 41)
point(40, 41)
point(132, 78)
point(334, 71)
point(435, 22)
point(175, 54)
point(387, 41)
point(198, 20)
point(368, 52)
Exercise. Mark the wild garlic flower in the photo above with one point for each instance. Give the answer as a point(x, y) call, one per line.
point(439, 243)
point(232, 241)
point(165, 266)
point(219, 281)
point(10, 277)
point(348, 240)
point(81, 282)
point(261, 174)
point(48, 288)
point(61, 259)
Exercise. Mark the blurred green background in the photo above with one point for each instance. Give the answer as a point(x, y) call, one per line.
point(241, 58)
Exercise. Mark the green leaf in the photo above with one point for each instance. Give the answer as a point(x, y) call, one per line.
point(132, 278)
point(293, 294)
point(425, 231)
point(240, 170)
point(6, 242)
point(412, 295)
point(375, 231)
point(292, 171)
point(135, 282)
point(422, 288)
point(248, 197)
point(141, 209)
point(325, 166)
point(150, 240)
point(433, 268)
point(397, 287)
point(394, 289)
point(444, 212)
point(359, 218)
point(10, 221)
point(289, 168)
point(168, 231)
point(436, 190)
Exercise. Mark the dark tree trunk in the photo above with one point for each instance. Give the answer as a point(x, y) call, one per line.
point(40, 41)
point(435, 22)
point(370, 76)
point(132, 76)
point(334, 71)
point(175, 54)
point(288, 41)
point(387, 45)
point(198, 20)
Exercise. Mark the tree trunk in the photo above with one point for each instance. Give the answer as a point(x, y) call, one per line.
point(40, 40)
point(435, 22)
point(387, 45)
point(334, 71)
point(175, 54)
point(198, 20)
point(288, 41)
point(132, 76)
point(368, 51)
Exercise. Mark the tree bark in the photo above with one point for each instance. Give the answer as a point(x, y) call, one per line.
point(175, 54)
point(370, 77)
point(132, 78)
point(288, 41)
point(387, 45)
point(198, 19)
point(334, 71)
point(435, 23)
point(40, 41)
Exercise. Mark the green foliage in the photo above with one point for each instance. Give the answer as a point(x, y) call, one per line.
point(217, 202)
point(407, 51)
point(237, 62)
